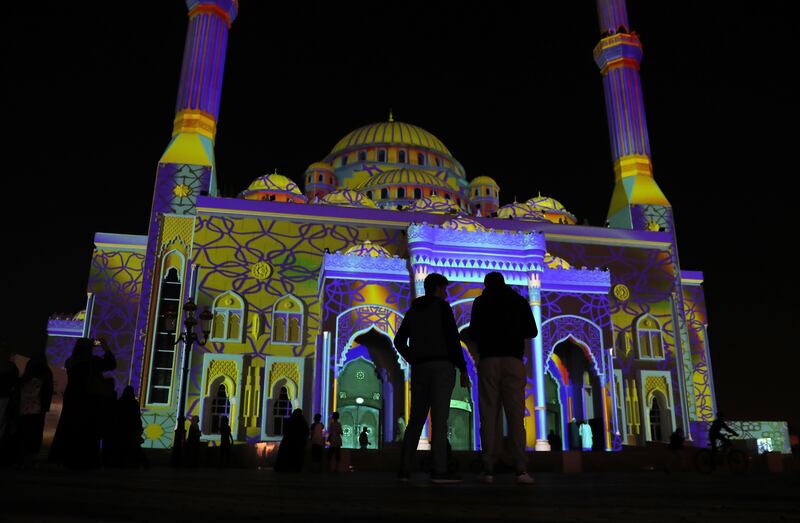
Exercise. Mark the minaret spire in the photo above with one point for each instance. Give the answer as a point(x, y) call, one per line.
point(637, 202)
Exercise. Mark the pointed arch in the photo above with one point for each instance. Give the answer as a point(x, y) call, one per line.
point(288, 313)
point(228, 310)
point(649, 338)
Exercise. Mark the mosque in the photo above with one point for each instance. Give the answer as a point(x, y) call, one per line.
point(308, 284)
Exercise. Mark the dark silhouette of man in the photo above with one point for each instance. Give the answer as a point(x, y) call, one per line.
point(434, 354)
point(715, 432)
point(501, 322)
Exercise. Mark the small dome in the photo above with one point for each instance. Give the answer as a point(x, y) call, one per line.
point(483, 180)
point(554, 262)
point(434, 205)
point(521, 211)
point(367, 248)
point(553, 210)
point(545, 202)
point(404, 177)
point(273, 187)
point(347, 198)
point(463, 223)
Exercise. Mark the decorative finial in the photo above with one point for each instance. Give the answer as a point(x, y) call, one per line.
point(275, 170)
point(391, 116)
point(540, 193)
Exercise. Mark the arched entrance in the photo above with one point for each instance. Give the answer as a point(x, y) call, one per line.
point(659, 418)
point(555, 415)
point(578, 387)
point(360, 402)
point(370, 389)
point(461, 420)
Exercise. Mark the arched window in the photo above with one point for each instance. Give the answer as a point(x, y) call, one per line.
point(438, 162)
point(362, 156)
point(488, 192)
point(321, 177)
point(401, 157)
point(287, 321)
point(420, 158)
point(369, 194)
point(344, 160)
point(163, 350)
point(446, 196)
point(656, 433)
point(649, 338)
point(384, 194)
point(417, 193)
point(281, 409)
point(220, 406)
point(228, 312)
point(401, 192)
point(381, 155)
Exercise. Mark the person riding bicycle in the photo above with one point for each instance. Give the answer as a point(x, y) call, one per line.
point(715, 432)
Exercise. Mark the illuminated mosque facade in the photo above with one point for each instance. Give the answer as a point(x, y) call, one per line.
point(307, 287)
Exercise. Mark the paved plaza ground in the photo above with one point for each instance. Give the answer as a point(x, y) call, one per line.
point(242, 495)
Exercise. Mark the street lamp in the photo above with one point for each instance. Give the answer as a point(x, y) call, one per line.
point(189, 337)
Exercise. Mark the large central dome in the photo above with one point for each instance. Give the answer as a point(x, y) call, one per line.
point(391, 133)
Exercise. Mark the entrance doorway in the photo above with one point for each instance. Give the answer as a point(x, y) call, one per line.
point(580, 387)
point(371, 390)
point(553, 405)
point(460, 423)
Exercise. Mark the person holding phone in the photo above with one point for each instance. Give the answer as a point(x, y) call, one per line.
point(77, 440)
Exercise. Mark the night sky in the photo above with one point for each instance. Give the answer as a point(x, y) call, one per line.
point(510, 87)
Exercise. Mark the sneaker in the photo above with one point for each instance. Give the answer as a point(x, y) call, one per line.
point(403, 476)
point(487, 478)
point(524, 479)
point(445, 477)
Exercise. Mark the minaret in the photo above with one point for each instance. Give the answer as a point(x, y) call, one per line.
point(186, 170)
point(637, 202)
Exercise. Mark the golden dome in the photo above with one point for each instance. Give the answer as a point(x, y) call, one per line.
point(553, 210)
point(521, 211)
point(483, 180)
point(367, 248)
point(347, 198)
point(273, 186)
point(391, 133)
point(404, 177)
point(546, 203)
point(434, 205)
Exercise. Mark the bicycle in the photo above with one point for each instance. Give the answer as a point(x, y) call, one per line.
point(707, 460)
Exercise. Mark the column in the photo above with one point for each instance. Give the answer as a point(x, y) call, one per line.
point(535, 300)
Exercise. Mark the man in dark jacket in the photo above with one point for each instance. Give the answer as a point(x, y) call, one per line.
point(434, 354)
point(501, 322)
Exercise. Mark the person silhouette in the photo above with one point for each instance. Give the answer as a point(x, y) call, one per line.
point(292, 450)
point(335, 433)
point(317, 436)
point(77, 440)
point(715, 435)
point(555, 441)
point(225, 442)
point(501, 322)
point(428, 339)
point(363, 439)
point(192, 448)
point(36, 393)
